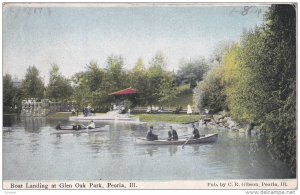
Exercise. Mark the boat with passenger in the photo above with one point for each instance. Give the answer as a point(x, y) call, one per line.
point(207, 138)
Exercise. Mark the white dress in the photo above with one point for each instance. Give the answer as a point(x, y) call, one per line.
point(189, 110)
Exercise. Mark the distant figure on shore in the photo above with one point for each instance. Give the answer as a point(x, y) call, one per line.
point(189, 110)
point(58, 127)
point(172, 134)
point(195, 132)
point(149, 110)
point(150, 135)
point(73, 111)
point(91, 125)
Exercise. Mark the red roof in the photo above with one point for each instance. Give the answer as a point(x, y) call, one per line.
point(127, 91)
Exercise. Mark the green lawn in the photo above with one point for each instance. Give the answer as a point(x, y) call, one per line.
point(184, 97)
point(169, 118)
point(59, 115)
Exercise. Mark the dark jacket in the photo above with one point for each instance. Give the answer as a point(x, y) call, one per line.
point(58, 127)
point(174, 134)
point(196, 133)
point(151, 136)
point(77, 127)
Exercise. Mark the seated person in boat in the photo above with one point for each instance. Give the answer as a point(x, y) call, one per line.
point(172, 134)
point(91, 125)
point(150, 135)
point(195, 132)
point(77, 127)
point(58, 127)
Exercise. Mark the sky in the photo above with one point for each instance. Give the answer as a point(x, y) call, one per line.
point(72, 36)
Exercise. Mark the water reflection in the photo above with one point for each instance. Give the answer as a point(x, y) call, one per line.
point(10, 120)
point(33, 124)
point(104, 154)
point(172, 150)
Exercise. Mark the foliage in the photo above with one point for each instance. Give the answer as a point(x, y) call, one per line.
point(59, 88)
point(32, 85)
point(257, 79)
point(88, 89)
point(192, 72)
point(116, 77)
point(234, 80)
point(11, 95)
point(211, 93)
point(167, 89)
point(139, 81)
point(184, 96)
point(279, 55)
point(169, 118)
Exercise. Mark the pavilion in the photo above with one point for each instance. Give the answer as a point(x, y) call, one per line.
point(125, 94)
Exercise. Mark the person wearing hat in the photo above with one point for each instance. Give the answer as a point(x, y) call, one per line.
point(172, 133)
point(91, 125)
point(195, 132)
point(150, 135)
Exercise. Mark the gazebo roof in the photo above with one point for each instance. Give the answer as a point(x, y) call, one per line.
point(128, 91)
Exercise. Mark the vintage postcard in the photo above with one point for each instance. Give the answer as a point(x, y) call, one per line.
point(136, 96)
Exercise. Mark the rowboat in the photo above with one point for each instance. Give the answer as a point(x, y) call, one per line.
point(68, 131)
point(203, 139)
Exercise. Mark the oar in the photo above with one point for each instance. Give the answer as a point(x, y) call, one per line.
point(186, 142)
point(83, 125)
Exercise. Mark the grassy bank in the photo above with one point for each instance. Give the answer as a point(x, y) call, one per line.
point(59, 115)
point(183, 98)
point(168, 118)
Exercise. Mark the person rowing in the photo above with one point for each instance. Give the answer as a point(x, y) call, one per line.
point(172, 134)
point(196, 133)
point(150, 135)
point(91, 125)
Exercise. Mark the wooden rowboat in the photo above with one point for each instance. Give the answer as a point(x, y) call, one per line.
point(68, 131)
point(203, 139)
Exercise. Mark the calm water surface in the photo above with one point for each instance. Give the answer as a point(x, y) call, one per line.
point(31, 152)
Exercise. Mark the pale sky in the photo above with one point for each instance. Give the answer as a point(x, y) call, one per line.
point(73, 36)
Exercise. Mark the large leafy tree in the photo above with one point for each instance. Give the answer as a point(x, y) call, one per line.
point(116, 76)
point(93, 87)
point(139, 81)
point(260, 80)
point(33, 85)
point(59, 88)
point(192, 72)
point(155, 75)
point(211, 92)
point(11, 95)
point(274, 72)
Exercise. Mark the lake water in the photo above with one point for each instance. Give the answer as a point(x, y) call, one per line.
point(31, 152)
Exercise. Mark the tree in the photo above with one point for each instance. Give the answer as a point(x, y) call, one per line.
point(32, 85)
point(211, 92)
point(155, 74)
point(192, 72)
point(139, 81)
point(167, 89)
point(275, 72)
point(8, 93)
point(59, 88)
point(94, 85)
point(116, 75)
point(263, 88)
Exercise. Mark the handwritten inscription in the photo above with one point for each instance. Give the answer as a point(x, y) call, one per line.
point(247, 10)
